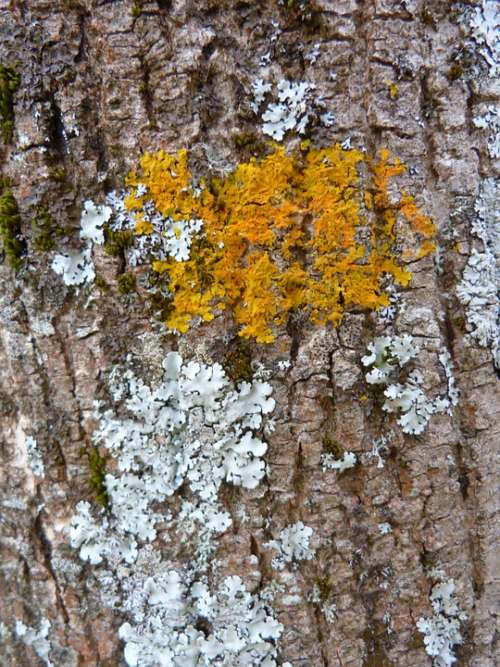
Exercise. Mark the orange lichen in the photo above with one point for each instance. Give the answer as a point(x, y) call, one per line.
point(281, 234)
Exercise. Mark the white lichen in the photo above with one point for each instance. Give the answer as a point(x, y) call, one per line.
point(478, 289)
point(386, 354)
point(328, 609)
point(313, 55)
point(329, 462)
point(193, 428)
point(380, 446)
point(93, 220)
point(34, 455)
point(442, 630)
point(293, 545)
point(489, 121)
point(447, 364)
point(484, 24)
point(178, 237)
point(37, 639)
point(168, 237)
point(297, 105)
point(384, 528)
point(76, 266)
point(260, 88)
point(238, 628)
point(408, 400)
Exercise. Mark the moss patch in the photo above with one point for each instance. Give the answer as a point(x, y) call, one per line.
point(238, 362)
point(117, 241)
point(97, 465)
point(46, 230)
point(332, 446)
point(10, 229)
point(9, 83)
point(127, 283)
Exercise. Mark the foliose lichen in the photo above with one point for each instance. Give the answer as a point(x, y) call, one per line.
point(286, 233)
point(193, 429)
point(442, 630)
point(408, 400)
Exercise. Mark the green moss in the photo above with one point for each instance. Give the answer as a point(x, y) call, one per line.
point(249, 142)
point(58, 175)
point(429, 559)
point(46, 230)
point(428, 17)
point(455, 72)
point(127, 283)
point(460, 324)
point(324, 587)
point(159, 298)
point(238, 362)
point(160, 305)
point(137, 8)
point(9, 83)
point(117, 242)
point(97, 465)
point(332, 446)
point(10, 230)
point(100, 282)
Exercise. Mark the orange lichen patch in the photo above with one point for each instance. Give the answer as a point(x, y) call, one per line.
point(287, 232)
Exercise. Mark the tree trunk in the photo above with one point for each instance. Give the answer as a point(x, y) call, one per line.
point(88, 86)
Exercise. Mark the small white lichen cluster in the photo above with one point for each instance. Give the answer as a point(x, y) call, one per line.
point(34, 456)
point(380, 446)
point(313, 55)
point(453, 391)
point(484, 23)
point(386, 354)
point(489, 120)
point(38, 639)
point(442, 630)
point(195, 429)
point(384, 528)
point(294, 110)
point(387, 315)
point(293, 545)
point(407, 400)
point(329, 462)
point(168, 238)
point(76, 267)
point(329, 609)
point(478, 289)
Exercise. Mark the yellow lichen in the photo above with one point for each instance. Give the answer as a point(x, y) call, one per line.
point(393, 90)
point(288, 232)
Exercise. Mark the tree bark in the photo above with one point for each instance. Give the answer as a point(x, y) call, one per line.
point(102, 82)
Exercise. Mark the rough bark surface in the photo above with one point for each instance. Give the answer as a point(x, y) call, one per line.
point(101, 82)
